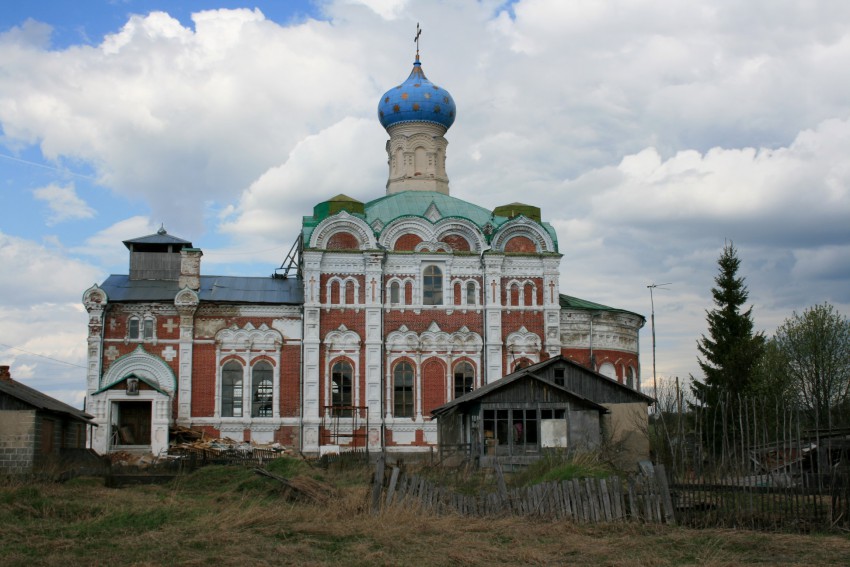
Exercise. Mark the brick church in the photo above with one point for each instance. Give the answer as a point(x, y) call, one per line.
point(393, 307)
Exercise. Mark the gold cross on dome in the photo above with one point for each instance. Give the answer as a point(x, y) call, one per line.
point(416, 38)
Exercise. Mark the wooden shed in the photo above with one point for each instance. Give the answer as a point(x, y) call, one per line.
point(553, 405)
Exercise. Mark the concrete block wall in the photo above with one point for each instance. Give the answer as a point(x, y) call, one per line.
point(17, 441)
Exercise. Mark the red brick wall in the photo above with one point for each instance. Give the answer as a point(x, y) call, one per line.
point(520, 244)
point(457, 242)
point(512, 321)
point(203, 385)
point(290, 376)
point(406, 242)
point(619, 359)
point(433, 385)
point(337, 291)
point(449, 323)
point(343, 241)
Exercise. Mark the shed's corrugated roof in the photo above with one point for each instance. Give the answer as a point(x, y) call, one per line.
point(570, 302)
point(532, 371)
point(221, 289)
point(509, 379)
point(41, 401)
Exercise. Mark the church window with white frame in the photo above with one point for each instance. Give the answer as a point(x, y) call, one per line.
point(403, 390)
point(432, 286)
point(231, 389)
point(470, 293)
point(262, 381)
point(140, 328)
point(341, 400)
point(464, 378)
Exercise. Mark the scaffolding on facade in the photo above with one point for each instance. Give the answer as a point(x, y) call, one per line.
point(346, 427)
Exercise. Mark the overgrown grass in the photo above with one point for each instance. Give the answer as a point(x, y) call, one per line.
point(232, 516)
point(558, 466)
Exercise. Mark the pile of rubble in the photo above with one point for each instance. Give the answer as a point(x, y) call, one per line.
point(191, 442)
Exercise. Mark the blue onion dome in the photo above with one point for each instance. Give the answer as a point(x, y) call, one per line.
point(417, 100)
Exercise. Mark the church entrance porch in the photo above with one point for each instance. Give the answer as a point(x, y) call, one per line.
point(130, 426)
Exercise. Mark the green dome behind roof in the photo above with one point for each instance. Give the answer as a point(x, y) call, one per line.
point(336, 204)
point(516, 209)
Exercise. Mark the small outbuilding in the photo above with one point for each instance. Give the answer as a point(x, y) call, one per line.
point(35, 428)
point(553, 405)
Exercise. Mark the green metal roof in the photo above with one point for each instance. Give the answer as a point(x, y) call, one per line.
point(570, 302)
point(416, 203)
point(388, 208)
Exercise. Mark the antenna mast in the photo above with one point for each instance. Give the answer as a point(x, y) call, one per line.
point(652, 302)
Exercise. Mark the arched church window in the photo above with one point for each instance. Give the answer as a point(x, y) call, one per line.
point(341, 388)
point(470, 293)
point(432, 286)
point(140, 329)
point(395, 293)
point(349, 293)
point(464, 377)
point(630, 377)
point(231, 389)
point(263, 390)
point(403, 390)
point(528, 294)
point(133, 328)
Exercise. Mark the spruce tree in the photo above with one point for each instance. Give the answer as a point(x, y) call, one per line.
point(730, 354)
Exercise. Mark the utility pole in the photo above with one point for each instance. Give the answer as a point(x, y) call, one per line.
point(652, 302)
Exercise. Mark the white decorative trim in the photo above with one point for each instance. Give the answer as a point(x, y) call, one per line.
point(343, 282)
point(249, 338)
point(406, 225)
point(432, 246)
point(343, 222)
point(523, 344)
point(342, 339)
point(462, 341)
point(521, 285)
point(522, 226)
point(464, 283)
point(462, 227)
point(142, 364)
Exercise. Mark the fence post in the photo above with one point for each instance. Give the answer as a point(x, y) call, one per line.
point(664, 489)
point(392, 487)
point(378, 485)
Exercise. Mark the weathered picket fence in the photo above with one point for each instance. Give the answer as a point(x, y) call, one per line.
point(642, 498)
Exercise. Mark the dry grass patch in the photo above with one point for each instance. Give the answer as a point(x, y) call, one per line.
point(231, 516)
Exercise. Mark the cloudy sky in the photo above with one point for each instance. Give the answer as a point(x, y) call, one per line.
point(650, 132)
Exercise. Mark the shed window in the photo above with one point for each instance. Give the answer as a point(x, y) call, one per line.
point(341, 388)
point(263, 390)
point(403, 390)
point(559, 376)
point(432, 286)
point(464, 378)
point(231, 390)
